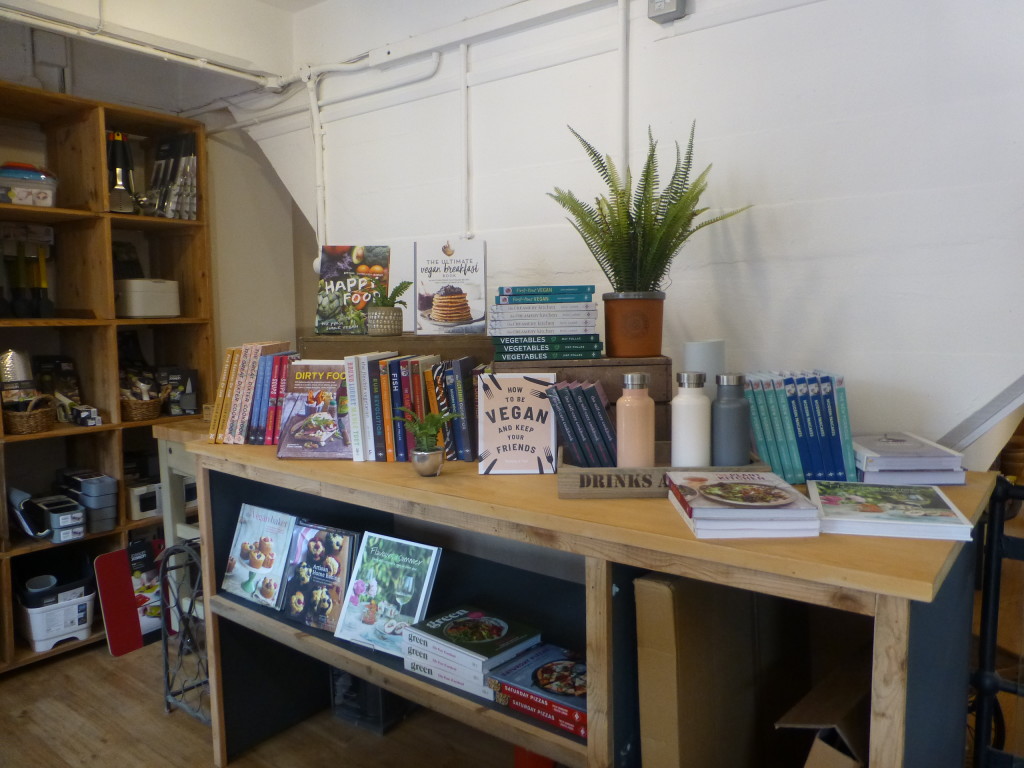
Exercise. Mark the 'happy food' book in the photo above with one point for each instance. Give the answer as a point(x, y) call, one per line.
point(256, 561)
point(319, 562)
point(516, 427)
point(345, 288)
point(389, 590)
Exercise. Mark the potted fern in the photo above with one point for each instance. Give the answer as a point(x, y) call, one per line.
point(427, 456)
point(634, 234)
point(384, 312)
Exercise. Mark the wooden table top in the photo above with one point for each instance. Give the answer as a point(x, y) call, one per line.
point(647, 533)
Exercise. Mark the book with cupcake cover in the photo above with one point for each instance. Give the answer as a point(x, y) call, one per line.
point(450, 280)
point(516, 432)
point(469, 637)
point(389, 590)
point(345, 286)
point(315, 412)
point(259, 550)
point(319, 563)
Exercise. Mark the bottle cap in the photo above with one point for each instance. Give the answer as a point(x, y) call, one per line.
point(635, 380)
point(730, 379)
point(690, 379)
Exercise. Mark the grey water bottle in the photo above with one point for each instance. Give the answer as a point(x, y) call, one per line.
point(730, 422)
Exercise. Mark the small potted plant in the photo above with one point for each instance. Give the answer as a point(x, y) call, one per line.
point(427, 456)
point(634, 234)
point(384, 312)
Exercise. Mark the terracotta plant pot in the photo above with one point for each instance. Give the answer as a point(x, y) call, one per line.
point(632, 323)
point(384, 321)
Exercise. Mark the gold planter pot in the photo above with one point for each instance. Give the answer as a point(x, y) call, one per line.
point(384, 321)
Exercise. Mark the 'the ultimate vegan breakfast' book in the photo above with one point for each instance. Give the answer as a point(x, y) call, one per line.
point(389, 590)
point(450, 285)
point(258, 553)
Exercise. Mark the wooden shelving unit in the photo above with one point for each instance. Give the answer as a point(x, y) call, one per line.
point(73, 132)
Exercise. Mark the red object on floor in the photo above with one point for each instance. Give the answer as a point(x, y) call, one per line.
point(526, 759)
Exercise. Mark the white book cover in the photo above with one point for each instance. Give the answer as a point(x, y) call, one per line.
point(903, 450)
point(516, 428)
point(389, 590)
point(904, 511)
point(451, 285)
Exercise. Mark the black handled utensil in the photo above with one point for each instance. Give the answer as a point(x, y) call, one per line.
point(21, 295)
point(43, 305)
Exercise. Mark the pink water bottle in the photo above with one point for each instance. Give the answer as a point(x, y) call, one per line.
point(634, 422)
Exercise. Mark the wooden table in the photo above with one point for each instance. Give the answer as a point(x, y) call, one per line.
point(885, 578)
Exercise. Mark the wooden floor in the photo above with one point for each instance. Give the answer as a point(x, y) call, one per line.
point(87, 709)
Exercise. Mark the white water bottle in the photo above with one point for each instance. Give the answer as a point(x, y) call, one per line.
point(691, 422)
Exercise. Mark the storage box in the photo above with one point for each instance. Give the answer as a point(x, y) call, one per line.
point(609, 371)
point(364, 704)
point(56, 511)
point(44, 627)
point(144, 501)
point(87, 481)
point(146, 298)
point(71, 533)
point(24, 184)
point(101, 519)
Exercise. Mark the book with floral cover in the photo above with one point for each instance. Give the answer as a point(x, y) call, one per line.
point(256, 560)
point(316, 574)
point(389, 590)
point(904, 511)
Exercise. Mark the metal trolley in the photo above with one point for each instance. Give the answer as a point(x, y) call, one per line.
point(186, 676)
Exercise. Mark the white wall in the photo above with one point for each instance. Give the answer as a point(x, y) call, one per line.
point(877, 139)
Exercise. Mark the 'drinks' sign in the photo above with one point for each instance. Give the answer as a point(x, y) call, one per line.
point(515, 423)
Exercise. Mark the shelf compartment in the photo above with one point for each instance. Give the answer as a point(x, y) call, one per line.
point(387, 673)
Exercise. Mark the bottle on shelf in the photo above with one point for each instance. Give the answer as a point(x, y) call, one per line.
point(691, 422)
point(634, 422)
point(730, 422)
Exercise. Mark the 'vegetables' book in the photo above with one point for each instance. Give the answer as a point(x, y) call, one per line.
point(450, 285)
point(902, 450)
point(546, 682)
point(258, 553)
point(389, 590)
point(904, 511)
point(319, 562)
point(516, 430)
point(315, 412)
point(470, 637)
point(345, 287)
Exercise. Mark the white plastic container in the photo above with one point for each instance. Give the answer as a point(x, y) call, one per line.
point(146, 298)
point(45, 627)
point(24, 184)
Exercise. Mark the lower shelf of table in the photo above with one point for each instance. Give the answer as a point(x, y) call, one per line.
point(385, 671)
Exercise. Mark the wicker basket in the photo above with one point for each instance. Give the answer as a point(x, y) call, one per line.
point(39, 417)
point(140, 410)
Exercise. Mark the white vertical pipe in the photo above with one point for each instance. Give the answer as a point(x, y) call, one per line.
point(465, 181)
point(316, 125)
point(624, 81)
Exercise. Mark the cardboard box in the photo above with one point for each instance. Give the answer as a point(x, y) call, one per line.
point(838, 709)
point(146, 298)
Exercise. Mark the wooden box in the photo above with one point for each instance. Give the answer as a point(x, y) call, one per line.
point(609, 371)
point(331, 347)
point(632, 482)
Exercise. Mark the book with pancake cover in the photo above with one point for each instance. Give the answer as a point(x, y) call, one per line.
point(450, 282)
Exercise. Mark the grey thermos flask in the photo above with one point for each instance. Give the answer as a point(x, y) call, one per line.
point(730, 422)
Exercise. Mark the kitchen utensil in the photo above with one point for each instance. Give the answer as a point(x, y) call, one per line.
point(119, 171)
point(5, 305)
point(21, 295)
point(43, 304)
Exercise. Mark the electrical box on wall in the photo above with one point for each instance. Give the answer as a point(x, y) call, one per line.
point(664, 11)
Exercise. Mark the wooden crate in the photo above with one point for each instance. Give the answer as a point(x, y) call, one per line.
point(449, 346)
point(609, 371)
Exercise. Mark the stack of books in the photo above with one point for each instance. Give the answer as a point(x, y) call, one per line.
point(585, 429)
point(800, 422)
point(546, 683)
point(741, 505)
point(902, 458)
point(544, 322)
point(459, 647)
